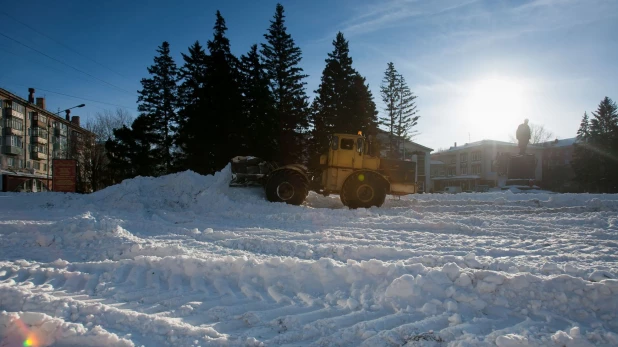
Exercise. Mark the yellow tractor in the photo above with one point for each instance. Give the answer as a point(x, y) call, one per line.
point(350, 168)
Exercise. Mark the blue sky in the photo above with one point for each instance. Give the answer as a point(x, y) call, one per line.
point(478, 67)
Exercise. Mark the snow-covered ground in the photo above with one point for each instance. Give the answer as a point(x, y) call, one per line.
point(184, 260)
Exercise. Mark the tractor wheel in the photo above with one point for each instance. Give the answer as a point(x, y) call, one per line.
point(287, 186)
point(363, 190)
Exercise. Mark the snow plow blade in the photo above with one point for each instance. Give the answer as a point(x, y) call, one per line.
point(249, 171)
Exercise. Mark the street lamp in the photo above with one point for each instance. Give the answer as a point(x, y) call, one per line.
point(81, 105)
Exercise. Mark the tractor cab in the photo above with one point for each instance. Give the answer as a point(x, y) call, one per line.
point(350, 152)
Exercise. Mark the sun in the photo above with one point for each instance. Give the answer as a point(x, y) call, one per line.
point(493, 106)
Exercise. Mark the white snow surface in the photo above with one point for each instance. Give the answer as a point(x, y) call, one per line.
point(185, 260)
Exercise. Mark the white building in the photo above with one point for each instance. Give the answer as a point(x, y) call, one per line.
point(474, 164)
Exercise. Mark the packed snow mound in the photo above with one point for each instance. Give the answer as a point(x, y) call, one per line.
point(174, 192)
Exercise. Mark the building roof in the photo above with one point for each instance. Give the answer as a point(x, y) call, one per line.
point(459, 177)
point(25, 103)
point(407, 143)
point(482, 143)
point(559, 143)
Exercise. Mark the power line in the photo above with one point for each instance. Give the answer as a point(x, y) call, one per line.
point(24, 57)
point(60, 43)
point(75, 97)
point(63, 63)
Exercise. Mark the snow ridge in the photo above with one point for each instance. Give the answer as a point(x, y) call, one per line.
point(185, 260)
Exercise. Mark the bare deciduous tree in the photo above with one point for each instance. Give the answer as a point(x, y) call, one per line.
point(95, 159)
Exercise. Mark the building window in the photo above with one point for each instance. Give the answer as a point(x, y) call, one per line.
point(476, 169)
point(13, 140)
point(38, 148)
point(15, 123)
point(451, 171)
point(463, 157)
point(464, 170)
point(36, 165)
point(40, 132)
point(476, 156)
point(15, 107)
point(13, 162)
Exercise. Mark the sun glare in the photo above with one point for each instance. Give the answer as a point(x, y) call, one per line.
point(494, 106)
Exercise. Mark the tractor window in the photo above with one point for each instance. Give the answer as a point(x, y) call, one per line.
point(347, 144)
point(359, 145)
point(335, 142)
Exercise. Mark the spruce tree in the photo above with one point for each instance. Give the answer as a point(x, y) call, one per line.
point(131, 152)
point(406, 112)
point(595, 159)
point(281, 59)
point(582, 155)
point(390, 96)
point(158, 101)
point(226, 129)
point(258, 107)
point(583, 133)
point(193, 152)
point(604, 141)
point(343, 103)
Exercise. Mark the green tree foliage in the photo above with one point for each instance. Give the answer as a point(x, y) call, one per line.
point(595, 159)
point(258, 107)
point(147, 147)
point(157, 103)
point(281, 58)
point(343, 103)
point(400, 109)
point(193, 150)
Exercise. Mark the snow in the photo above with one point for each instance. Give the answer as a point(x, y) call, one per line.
point(185, 260)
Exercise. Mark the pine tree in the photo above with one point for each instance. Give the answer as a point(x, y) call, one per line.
point(193, 154)
point(343, 103)
point(406, 112)
point(158, 101)
point(227, 124)
point(390, 96)
point(281, 60)
point(258, 105)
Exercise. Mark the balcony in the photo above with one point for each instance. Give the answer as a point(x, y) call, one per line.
point(12, 150)
point(38, 155)
point(9, 112)
point(39, 138)
point(37, 122)
point(9, 130)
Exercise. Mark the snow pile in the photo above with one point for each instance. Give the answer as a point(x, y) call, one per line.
point(185, 260)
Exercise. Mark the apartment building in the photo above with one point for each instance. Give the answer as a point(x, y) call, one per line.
point(476, 164)
point(30, 138)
